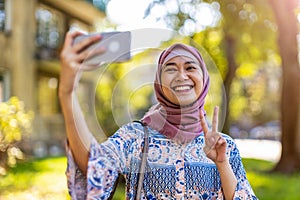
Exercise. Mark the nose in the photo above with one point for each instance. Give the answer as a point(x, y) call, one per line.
point(182, 76)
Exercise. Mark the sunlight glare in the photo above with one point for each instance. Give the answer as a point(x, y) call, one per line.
point(205, 15)
point(131, 14)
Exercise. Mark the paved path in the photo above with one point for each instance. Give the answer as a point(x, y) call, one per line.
point(260, 149)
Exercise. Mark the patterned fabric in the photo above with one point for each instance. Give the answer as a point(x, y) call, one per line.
point(174, 171)
point(76, 180)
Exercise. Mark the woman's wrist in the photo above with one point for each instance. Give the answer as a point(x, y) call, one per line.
point(223, 164)
point(228, 179)
point(65, 95)
point(64, 92)
point(67, 85)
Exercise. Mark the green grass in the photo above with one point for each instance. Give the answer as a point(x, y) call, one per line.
point(35, 180)
point(45, 179)
point(271, 186)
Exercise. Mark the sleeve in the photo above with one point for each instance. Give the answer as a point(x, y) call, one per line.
point(103, 170)
point(243, 189)
point(106, 161)
point(76, 181)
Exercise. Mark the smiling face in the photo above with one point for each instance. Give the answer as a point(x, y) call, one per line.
point(182, 80)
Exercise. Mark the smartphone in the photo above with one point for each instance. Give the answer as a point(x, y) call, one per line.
point(117, 45)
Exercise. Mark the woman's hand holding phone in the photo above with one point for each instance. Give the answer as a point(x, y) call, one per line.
point(72, 57)
point(117, 46)
point(84, 52)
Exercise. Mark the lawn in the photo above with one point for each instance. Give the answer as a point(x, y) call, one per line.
point(44, 179)
point(35, 180)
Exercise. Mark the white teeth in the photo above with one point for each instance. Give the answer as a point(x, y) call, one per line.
point(181, 88)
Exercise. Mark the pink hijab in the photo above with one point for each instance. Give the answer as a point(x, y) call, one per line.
point(181, 124)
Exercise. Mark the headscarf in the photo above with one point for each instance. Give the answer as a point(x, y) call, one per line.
point(180, 123)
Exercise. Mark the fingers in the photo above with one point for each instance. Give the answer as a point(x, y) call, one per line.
point(221, 141)
point(213, 136)
point(219, 144)
point(70, 37)
point(74, 54)
point(83, 44)
point(67, 51)
point(92, 52)
point(212, 143)
point(215, 120)
point(203, 123)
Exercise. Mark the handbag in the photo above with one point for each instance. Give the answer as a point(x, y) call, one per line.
point(142, 166)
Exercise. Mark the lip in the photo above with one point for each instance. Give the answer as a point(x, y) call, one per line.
point(182, 88)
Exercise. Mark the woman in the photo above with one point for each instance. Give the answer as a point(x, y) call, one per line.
point(185, 159)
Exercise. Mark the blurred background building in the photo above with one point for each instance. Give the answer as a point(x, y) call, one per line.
point(31, 35)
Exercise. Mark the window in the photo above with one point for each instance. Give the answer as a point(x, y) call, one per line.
point(48, 34)
point(47, 95)
point(77, 25)
point(5, 15)
point(2, 15)
point(1, 88)
point(4, 85)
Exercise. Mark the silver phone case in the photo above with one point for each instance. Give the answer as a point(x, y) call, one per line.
point(117, 45)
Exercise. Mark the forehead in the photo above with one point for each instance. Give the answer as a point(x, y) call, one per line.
point(181, 59)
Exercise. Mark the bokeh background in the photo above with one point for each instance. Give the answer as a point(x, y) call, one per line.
point(251, 49)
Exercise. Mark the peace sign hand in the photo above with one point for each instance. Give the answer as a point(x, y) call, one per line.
point(215, 144)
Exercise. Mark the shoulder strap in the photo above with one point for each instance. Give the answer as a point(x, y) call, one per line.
point(143, 162)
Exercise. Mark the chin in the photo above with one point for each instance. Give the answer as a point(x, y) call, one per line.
point(186, 103)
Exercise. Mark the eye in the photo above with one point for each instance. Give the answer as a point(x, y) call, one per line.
point(170, 69)
point(191, 68)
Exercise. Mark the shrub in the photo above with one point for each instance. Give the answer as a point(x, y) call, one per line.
point(14, 123)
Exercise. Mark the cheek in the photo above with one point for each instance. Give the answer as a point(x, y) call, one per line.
point(199, 84)
point(166, 81)
point(166, 84)
point(199, 89)
point(166, 91)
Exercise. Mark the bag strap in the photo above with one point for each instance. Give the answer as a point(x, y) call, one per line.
point(143, 162)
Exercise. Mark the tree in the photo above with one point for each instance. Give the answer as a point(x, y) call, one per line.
point(242, 20)
point(290, 96)
point(243, 27)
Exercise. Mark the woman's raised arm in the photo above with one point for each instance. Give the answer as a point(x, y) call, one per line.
point(78, 133)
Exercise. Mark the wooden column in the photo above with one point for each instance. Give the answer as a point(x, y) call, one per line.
point(21, 51)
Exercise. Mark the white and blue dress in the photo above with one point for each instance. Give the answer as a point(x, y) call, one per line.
point(173, 171)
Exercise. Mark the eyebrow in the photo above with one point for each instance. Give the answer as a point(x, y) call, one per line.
point(186, 63)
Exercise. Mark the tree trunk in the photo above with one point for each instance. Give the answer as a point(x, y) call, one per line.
point(290, 99)
point(230, 52)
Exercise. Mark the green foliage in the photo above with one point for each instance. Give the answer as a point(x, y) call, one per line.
point(14, 122)
point(251, 27)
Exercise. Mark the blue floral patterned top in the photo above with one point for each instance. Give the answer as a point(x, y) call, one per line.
point(174, 171)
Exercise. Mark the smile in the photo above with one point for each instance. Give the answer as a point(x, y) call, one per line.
point(182, 88)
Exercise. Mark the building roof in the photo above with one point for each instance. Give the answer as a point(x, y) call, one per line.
point(81, 10)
